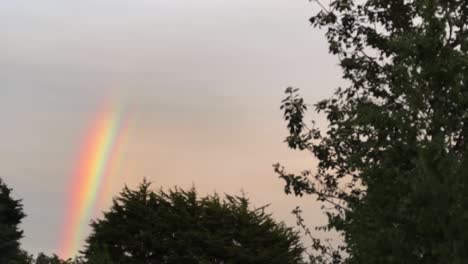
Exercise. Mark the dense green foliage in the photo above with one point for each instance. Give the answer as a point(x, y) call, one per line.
point(393, 161)
point(54, 259)
point(44, 259)
point(24, 258)
point(145, 226)
point(11, 214)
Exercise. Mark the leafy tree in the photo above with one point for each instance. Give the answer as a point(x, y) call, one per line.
point(393, 160)
point(99, 255)
point(23, 258)
point(54, 259)
point(11, 214)
point(44, 259)
point(144, 226)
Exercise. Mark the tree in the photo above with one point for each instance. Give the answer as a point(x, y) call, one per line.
point(145, 226)
point(54, 259)
point(23, 258)
point(44, 259)
point(393, 160)
point(11, 214)
point(99, 255)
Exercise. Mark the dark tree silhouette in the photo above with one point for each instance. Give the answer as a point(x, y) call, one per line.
point(144, 226)
point(54, 259)
point(44, 259)
point(393, 161)
point(11, 214)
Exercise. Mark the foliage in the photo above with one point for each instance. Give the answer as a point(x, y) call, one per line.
point(11, 214)
point(54, 259)
point(393, 160)
point(145, 226)
point(23, 258)
point(99, 255)
point(44, 259)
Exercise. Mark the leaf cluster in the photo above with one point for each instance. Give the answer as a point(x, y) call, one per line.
point(146, 226)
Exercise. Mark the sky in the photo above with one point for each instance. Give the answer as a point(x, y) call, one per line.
point(200, 83)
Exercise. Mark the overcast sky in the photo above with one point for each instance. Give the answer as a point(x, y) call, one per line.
point(201, 82)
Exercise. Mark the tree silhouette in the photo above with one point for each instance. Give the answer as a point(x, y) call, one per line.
point(144, 226)
point(393, 163)
point(44, 259)
point(54, 259)
point(11, 214)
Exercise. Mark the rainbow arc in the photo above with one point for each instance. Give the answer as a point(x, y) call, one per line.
point(91, 176)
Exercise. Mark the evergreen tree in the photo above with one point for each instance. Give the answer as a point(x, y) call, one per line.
point(23, 258)
point(144, 226)
point(54, 259)
point(11, 214)
point(99, 255)
point(44, 259)
point(393, 161)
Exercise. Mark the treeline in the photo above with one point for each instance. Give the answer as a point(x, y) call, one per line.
point(177, 226)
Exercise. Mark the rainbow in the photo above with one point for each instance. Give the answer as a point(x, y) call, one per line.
point(90, 178)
